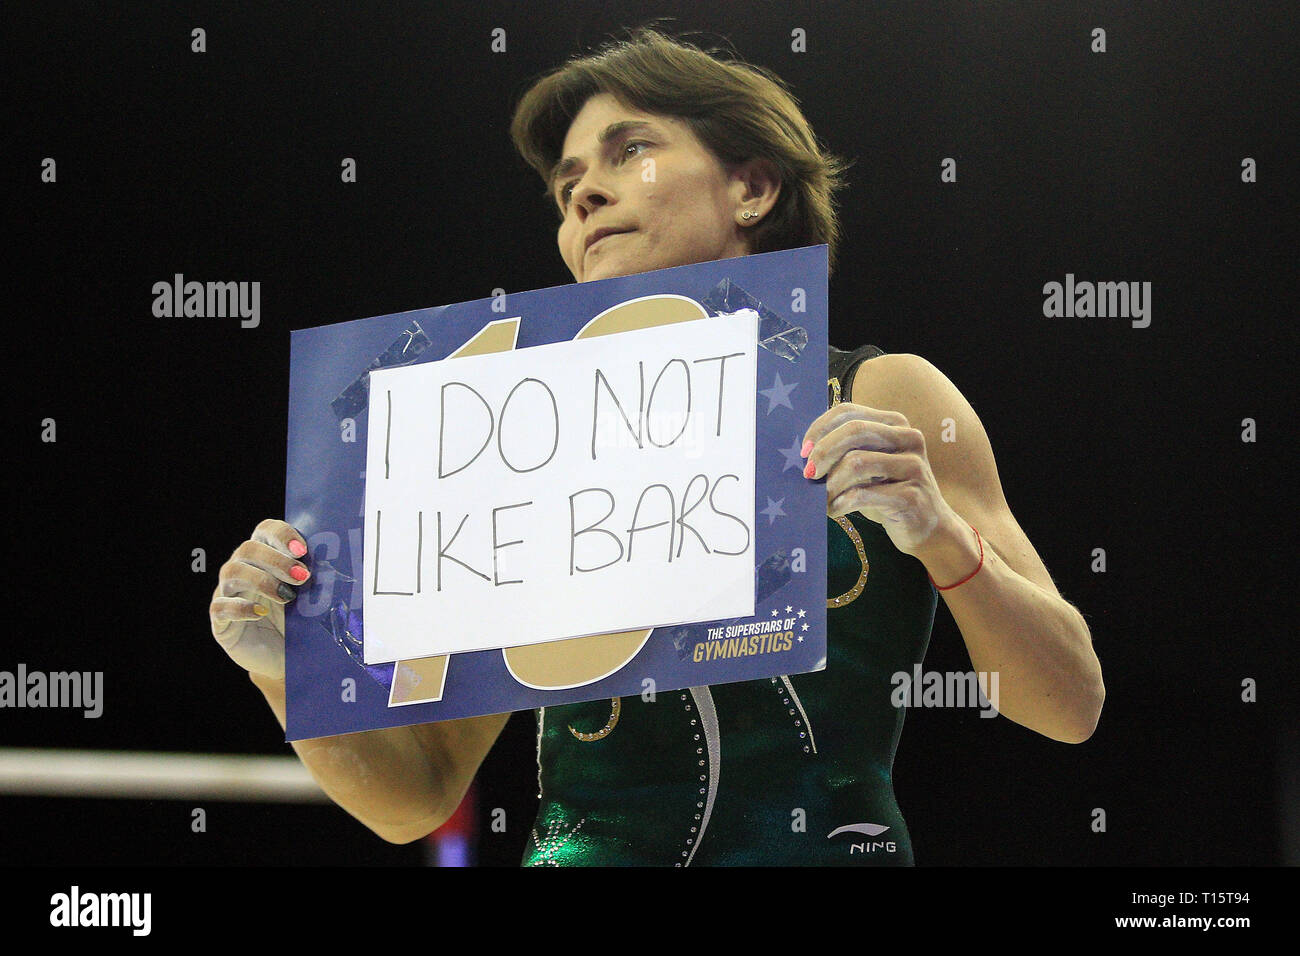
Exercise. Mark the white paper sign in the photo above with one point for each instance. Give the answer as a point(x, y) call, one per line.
point(577, 488)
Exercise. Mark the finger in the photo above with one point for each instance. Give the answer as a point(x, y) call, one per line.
point(268, 559)
point(838, 415)
point(886, 504)
point(280, 535)
point(874, 503)
point(224, 611)
point(863, 434)
point(859, 467)
point(255, 585)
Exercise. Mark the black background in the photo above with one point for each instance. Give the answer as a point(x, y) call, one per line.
point(1122, 166)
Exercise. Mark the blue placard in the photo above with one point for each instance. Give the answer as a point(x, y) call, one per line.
point(330, 690)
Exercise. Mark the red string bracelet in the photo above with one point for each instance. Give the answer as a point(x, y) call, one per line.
point(949, 587)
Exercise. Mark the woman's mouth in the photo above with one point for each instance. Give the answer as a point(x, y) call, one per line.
point(607, 236)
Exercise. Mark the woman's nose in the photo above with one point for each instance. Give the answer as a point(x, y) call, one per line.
point(588, 195)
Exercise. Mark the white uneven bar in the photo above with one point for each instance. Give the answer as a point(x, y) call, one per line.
point(159, 776)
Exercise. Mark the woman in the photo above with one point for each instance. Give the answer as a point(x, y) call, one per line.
point(657, 154)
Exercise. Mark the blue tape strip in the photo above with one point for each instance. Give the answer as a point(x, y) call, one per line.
point(774, 333)
point(406, 348)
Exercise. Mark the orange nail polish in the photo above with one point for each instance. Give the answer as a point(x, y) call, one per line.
point(807, 447)
point(299, 574)
point(296, 548)
point(810, 470)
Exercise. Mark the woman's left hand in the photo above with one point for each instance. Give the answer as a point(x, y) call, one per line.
point(875, 463)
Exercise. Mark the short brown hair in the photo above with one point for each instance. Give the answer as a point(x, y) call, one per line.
point(738, 111)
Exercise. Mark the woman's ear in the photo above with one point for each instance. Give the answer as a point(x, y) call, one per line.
point(756, 184)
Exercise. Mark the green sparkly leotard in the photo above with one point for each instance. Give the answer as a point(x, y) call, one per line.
point(757, 772)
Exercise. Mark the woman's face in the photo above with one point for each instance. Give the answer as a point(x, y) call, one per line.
point(671, 200)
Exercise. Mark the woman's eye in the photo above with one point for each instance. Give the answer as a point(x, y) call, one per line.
point(635, 142)
point(567, 188)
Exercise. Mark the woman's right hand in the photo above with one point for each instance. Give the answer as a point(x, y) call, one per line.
point(247, 610)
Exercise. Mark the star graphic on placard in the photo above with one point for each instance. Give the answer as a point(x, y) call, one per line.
point(805, 627)
point(799, 639)
point(778, 394)
point(792, 457)
point(774, 612)
point(773, 510)
point(802, 612)
point(788, 609)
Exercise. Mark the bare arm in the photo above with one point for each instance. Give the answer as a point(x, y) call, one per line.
point(885, 456)
point(402, 782)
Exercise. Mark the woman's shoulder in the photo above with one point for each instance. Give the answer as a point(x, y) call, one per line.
point(897, 379)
